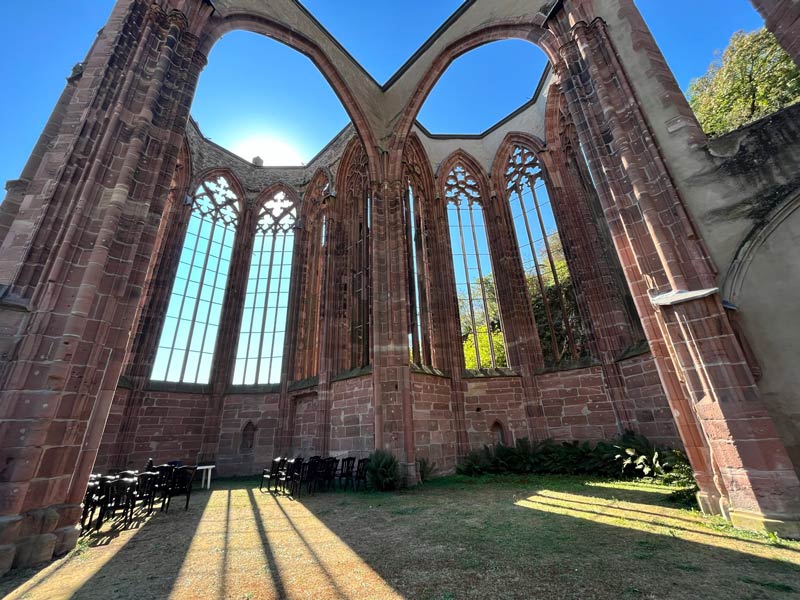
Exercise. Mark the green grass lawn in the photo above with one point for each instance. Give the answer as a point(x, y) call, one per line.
point(452, 538)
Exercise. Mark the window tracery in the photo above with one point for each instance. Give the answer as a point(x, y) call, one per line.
point(186, 347)
point(481, 326)
point(263, 329)
point(357, 193)
point(546, 272)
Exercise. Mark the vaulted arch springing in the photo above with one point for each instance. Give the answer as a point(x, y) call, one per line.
point(259, 351)
point(186, 347)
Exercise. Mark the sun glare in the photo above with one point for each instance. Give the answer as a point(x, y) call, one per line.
point(273, 151)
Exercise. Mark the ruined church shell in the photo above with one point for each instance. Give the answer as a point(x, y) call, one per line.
point(672, 316)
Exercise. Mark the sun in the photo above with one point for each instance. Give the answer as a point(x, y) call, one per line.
point(273, 151)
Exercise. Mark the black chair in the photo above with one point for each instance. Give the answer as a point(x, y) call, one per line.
point(330, 466)
point(118, 495)
point(306, 473)
point(162, 482)
point(147, 489)
point(180, 485)
point(286, 477)
point(361, 473)
point(347, 472)
point(92, 500)
point(271, 475)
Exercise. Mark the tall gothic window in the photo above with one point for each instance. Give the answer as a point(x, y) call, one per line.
point(313, 239)
point(418, 342)
point(186, 348)
point(481, 327)
point(261, 337)
point(549, 282)
point(359, 224)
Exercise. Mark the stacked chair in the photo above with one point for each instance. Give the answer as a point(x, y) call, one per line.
point(291, 476)
point(119, 495)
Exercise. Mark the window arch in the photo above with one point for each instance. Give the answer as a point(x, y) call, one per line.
point(262, 333)
point(186, 347)
point(313, 246)
point(417, 182)
point(358, 223)
point(547, 274)
point(479, 312)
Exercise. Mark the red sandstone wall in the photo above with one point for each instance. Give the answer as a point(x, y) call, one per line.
point(490, 399)
point(111, 433)
point(434, 424)
point(305, 427)
point(646, 402)
point(352, 417)
point(576, 405)
point(234, 457)
point(169, 427)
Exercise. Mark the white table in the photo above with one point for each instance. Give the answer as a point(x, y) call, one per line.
point(206, 476)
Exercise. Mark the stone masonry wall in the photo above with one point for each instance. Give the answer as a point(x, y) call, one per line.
point(494, 399)
point(235, 455)
point(434, 423)
point(352, 417)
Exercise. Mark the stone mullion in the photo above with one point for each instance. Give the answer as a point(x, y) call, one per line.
point(519, 328)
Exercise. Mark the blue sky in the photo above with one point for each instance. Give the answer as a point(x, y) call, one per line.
point(256, 88)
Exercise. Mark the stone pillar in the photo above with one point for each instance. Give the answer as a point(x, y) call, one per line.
point(782, 18)
point(391, 371)
point(83, 244)
point(675, 295)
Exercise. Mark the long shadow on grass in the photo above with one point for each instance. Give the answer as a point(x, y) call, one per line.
point(146, 566)
point(454, 540)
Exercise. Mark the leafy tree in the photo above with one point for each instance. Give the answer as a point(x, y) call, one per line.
point(753, 78)
point(471, 357)
point(552, 296)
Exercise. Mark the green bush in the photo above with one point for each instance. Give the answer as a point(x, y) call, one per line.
point(383, 471)
point(629, 456)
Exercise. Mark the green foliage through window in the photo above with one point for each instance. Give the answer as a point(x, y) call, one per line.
point(753, 78)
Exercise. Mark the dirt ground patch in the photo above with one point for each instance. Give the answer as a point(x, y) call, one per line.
point(453, 538)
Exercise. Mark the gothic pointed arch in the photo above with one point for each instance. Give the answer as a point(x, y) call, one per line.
point(349, 231)
point(312, 250)
point(465, 192)
point(294, 39)
point(521, 180)
point(500, 29)
point(262, 332)
point(192, 321)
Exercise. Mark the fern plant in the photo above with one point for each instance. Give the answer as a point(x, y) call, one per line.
point(383, 471)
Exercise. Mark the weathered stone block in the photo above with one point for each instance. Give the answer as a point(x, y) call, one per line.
point(34, 550)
